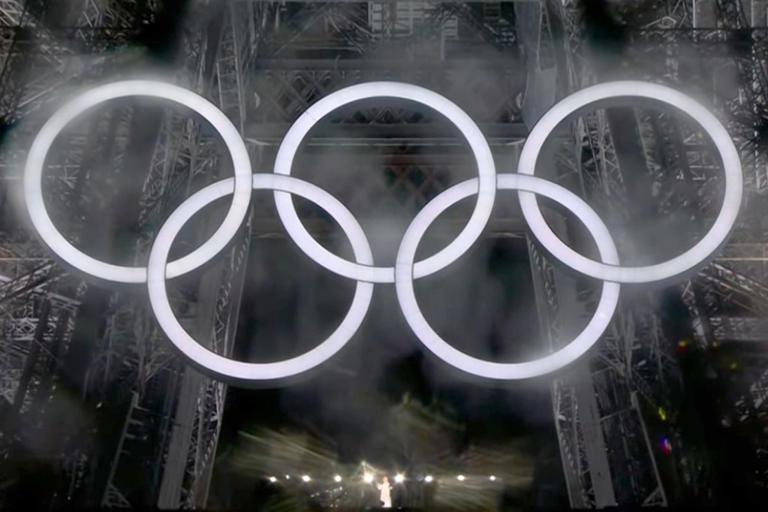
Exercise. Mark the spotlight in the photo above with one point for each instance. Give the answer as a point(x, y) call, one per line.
point(399, 478)
point(368, 478)
point(492, 478)
point(287, 477)
point(337, 478)
point(428, 478)
point(666, 446)
point(460, 478)
point(306, 478)
point(272, 479)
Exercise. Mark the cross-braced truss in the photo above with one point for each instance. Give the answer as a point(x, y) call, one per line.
point(263, 63)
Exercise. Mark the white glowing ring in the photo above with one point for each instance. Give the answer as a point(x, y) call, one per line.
point(239, 370)
point(363, 269)
point(674, 266)
point(33, 173)
point(406, 297)
point(477, 143)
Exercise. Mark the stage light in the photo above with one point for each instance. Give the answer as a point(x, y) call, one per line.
point(428, 478)
point(666, 446)
point(492, 478)
point(368, 478)
point(272, 479)
point(399, 478)
point(337, 478)
point(460, 478)
point(306, 478)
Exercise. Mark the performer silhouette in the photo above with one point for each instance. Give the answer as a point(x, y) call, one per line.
point(386, 493)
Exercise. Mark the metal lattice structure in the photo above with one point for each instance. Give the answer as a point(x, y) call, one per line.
point(164, 447)
point(637, 359)
point(263, 64)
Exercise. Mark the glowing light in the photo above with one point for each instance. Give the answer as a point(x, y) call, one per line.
point(337, 478)
point(662, 414)
point(734, 365)
point(492, 478)
point(362, 269)
point(368, 478)
point(460, 478)
point(272, 479)
point(611, 271)
point(666, 446)
point(428, 478)
point(486, 177)
point(287, 477)
point(415, 318)
point(306, 478)
point(33, 173)
point(229, 368)
point(399, 478)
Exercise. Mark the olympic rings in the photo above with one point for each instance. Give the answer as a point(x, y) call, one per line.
point(363, 269)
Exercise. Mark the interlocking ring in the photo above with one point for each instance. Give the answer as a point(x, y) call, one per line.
point(486, 172)
point(609, 296)
point(239, 370)
point(698, 253)
point(363, 269)
point(33, 175)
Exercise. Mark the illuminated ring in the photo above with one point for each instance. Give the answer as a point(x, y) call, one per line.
point(33, 173)
point(645, 274)
point(239, 370)
point(477, 142)
point(407, 298)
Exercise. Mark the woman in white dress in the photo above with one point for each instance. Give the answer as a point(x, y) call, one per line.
point(386, 493)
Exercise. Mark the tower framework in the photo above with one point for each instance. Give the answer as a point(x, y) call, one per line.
point(263, 64)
